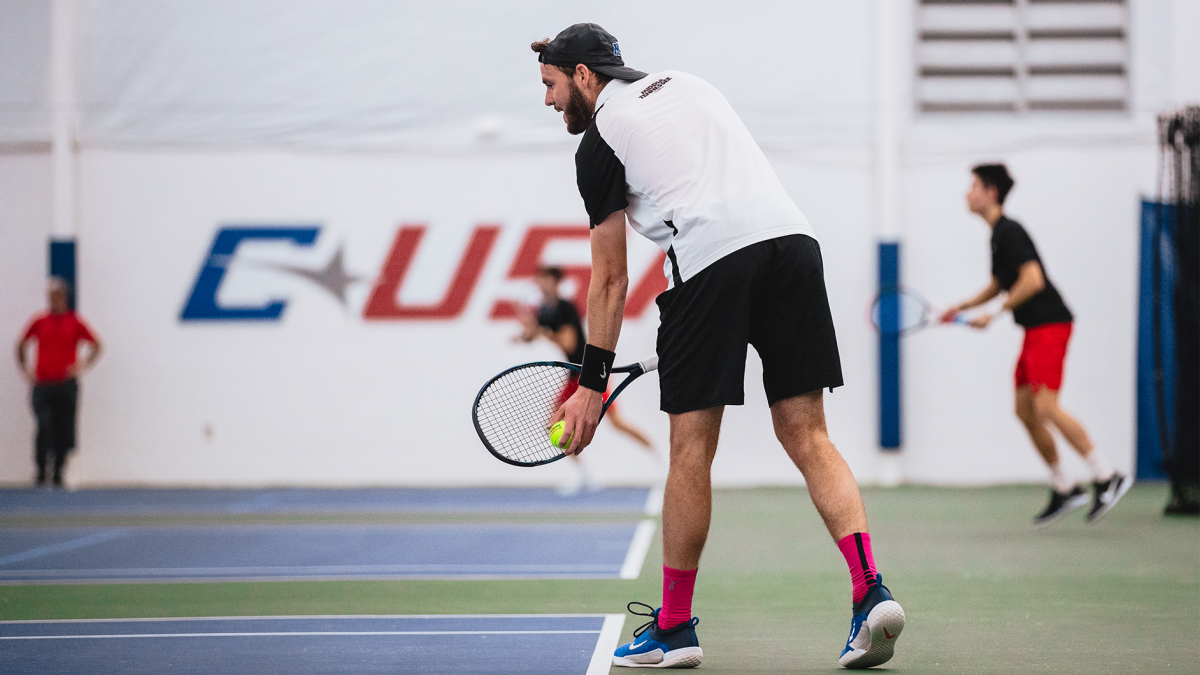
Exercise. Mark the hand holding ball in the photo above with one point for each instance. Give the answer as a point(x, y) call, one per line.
point(556, 433)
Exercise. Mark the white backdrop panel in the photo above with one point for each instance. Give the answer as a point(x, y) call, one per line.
point(324, 396)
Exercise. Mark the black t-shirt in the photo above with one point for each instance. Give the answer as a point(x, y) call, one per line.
point(1012, 248)
point(562, 314)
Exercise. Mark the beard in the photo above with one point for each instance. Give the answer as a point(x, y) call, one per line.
point(577, 113)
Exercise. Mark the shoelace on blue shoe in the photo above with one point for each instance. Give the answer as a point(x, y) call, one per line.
point(646, 626)
point(654, 619)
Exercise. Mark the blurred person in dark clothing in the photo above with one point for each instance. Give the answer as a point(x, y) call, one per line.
point(557, 320)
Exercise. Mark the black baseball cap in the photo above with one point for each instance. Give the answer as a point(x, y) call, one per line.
point(592, 46)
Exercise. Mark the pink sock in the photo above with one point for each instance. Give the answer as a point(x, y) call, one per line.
point(856, 549)
point(677, 597)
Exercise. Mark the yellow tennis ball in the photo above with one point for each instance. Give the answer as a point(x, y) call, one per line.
point(556, 435)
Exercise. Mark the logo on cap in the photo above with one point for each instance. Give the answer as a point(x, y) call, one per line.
point(616, 50)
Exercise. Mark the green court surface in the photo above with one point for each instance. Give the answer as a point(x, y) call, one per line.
point(983, 591)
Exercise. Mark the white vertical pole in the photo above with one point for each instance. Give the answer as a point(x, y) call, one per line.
point(891, 26)
point(889, 78)
point(63, 117)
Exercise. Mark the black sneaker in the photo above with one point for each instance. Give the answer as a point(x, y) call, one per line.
point(1060, 505)
point(1106, 495)
point(874, 627)
point(653, 647)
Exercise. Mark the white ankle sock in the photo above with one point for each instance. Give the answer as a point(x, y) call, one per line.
point(1101, 469)
point(1058, 480)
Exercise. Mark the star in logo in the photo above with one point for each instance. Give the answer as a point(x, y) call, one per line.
point(333, 277)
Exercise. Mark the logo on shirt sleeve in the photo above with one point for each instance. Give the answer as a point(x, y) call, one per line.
point(654, 87)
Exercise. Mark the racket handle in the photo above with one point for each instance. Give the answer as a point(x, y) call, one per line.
point(649, 364)
point(961, 320)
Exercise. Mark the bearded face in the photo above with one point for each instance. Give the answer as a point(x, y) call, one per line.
point(577, 114)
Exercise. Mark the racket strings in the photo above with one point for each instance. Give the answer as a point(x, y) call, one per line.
point(899, 312)
point(515, 408)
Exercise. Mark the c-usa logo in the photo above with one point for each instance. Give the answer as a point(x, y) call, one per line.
point(616, 50)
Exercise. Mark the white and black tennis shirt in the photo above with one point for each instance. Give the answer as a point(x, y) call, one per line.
point(670, 150)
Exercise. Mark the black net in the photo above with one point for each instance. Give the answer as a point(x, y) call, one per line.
point(513, 410)
point(1178, 262)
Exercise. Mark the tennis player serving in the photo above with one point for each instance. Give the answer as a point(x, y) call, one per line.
point(667, 153)
point(1036, 305)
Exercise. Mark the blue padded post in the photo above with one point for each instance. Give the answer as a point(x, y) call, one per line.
point(889, 347)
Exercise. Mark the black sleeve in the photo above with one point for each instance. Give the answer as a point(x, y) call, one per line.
point(1018, 248)
point(601, 177)
point(548, 317)
point(566, 310)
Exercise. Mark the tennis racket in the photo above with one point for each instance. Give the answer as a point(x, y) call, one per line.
point(903, 311)
point(513, 409)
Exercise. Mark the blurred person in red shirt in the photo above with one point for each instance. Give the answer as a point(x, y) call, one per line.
point(55, 395)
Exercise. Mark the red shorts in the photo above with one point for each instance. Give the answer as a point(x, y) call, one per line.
point(571, 388)
point(1042, 355)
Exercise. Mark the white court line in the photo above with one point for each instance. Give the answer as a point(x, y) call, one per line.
point(64, 581)
point(313, 634)
point(638, 548)
point(606, 644)
point(316, 570)
point(98, 538)
point(307, 617)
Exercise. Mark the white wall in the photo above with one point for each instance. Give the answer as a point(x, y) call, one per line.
point(24, 229)
point(326, 397)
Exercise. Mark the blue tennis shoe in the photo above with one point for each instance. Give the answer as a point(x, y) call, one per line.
point(653, 647)
point(877, 622)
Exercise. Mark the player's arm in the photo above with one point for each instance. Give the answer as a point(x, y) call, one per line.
point(530, 330)
point(1030, 281)
point(606, 307)
point(991, 291)
point(567, 338)
point(94, 348)
point(21, 364)
point(610, 282)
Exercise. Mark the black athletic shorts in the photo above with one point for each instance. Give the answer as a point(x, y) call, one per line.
point(770, 295)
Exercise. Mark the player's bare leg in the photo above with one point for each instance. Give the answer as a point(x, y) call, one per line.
point(1037, 411)
point(800, 427)
point(1108, 486)
point(624, 427)
point(1036, 426)
point(669, 639)
point(876, 617)
point(581, 479)
point(1045, 404)
point(687, 499)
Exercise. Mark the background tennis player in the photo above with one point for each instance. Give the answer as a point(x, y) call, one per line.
point(557, 320)
point(668, 154)
point(1036, 305)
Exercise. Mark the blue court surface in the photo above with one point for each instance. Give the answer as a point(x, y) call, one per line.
point(529, 645)
point(324, 552)
point(146, 501)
